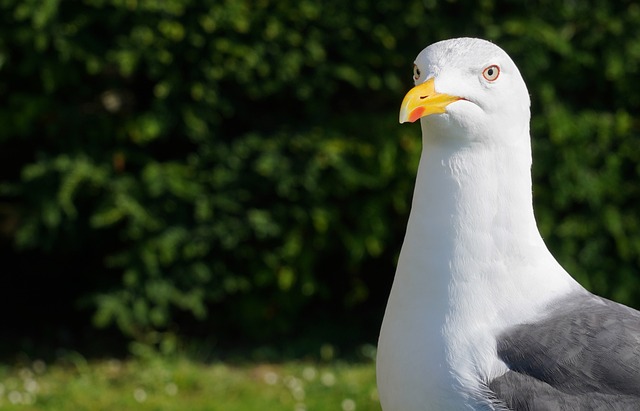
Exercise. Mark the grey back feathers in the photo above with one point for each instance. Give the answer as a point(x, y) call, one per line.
point(583, 354)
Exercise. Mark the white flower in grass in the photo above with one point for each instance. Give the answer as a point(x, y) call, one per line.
point(309, 373)
point(31, 385)
point(25, 373)
point(298, 393)
point(348, 404)
point(295, 386)
point(328, 379)
point(15, 397)
point(292, 382)
point(270, 378)
point(171, 388)
point(140, 395)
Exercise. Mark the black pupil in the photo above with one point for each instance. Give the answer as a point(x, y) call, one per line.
point(490, 72)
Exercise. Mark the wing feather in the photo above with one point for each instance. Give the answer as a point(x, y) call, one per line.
point(584, 350)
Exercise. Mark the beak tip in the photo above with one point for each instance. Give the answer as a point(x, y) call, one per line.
point(403, 117)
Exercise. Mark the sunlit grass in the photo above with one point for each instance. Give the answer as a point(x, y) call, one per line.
point(181, 384)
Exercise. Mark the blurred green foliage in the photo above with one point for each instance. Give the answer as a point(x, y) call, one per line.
point(235, 168)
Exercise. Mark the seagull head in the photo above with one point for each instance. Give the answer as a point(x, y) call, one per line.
point(468, 89)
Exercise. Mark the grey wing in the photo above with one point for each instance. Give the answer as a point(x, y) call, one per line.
point(584, 354)
point(521, 392)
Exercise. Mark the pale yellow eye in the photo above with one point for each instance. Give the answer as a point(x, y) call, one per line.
point(491, 73)
point(416, 73)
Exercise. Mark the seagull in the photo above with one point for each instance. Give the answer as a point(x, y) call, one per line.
point(481, 316)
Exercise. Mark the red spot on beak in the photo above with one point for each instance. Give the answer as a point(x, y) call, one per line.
point(416, 114)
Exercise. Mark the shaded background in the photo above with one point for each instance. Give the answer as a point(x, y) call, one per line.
point(230, 174)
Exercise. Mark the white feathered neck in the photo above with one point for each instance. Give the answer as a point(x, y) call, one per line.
point(473, 261)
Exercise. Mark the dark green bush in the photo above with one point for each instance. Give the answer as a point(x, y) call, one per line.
point(236, 168)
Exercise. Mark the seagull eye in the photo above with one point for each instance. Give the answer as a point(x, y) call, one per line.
point(416, 73)
point(491, 73)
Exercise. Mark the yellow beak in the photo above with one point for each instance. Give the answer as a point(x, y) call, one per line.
point(423, 100)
